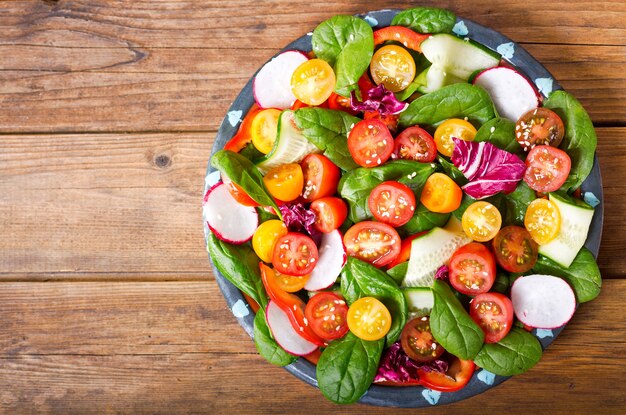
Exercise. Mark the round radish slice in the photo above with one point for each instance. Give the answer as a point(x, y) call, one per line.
point(272, 85)
point(543, 301)
point(332, 258)
point(284, 333)
point(511, 92)
point(229, 220)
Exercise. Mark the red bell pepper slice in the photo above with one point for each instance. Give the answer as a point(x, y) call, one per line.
point(243, 136)
point(404, 35)
point(458, 375)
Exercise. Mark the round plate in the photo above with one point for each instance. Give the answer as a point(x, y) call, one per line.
point(410, 396)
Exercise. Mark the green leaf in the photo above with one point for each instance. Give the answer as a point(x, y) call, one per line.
point(328, 130)
point(583, 274)
point(514, 354)
point(501, 133)
point(426, 20)
point(347, 368)
point(398, 272)
point(240, 265)
point(516, 203)
point(423, 220)
point(580, 138)
point(266, 345)
point(452, 101)
point(451, 326)
point(451, 170)
point(360, 279)
point(347, 44)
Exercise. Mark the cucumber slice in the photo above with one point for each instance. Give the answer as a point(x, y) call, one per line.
point(457, 56)
point(420, 301)
point(576, 218)
point(434, 78)
point(290, 145)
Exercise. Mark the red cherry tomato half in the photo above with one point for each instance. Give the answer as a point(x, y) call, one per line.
point(404, 35)
point(539, 126)
point(295, 254)
point(458, 375)
point(418, 342)
point(373, 242)
point(327, 314)
point(330, 213)
point(493, 312)
point(390, 120)
point(515, 249)
point(392, 203)
point(416, 144)
point(472, 269)
point(547, 168)
point(370, 143)
point(321, 177)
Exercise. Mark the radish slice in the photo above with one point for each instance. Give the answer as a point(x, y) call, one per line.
point(272, 85)
point(284, 333)
point(228, 219)
point(332, 258)
point(512, 94)
point(543, 301)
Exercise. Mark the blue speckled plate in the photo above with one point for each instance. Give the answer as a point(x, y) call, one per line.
point(414, 396)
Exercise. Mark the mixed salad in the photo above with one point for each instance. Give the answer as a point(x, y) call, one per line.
point(402, 206)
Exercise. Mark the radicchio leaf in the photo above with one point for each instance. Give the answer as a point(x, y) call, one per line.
point(396, 366)
point(442, 273)
point(297, 218)
point(489, 169)
point(378, 99)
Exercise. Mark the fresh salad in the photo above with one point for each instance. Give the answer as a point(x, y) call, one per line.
point(402, 206)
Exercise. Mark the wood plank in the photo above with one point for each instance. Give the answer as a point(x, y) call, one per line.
point(128, 206)
point(67, 348)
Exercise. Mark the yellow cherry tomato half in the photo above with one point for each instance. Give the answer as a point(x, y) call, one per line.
point(454, 127)
point(265, 238)
point(542, 220)
point(369, 319)
point(285, 182)
point(441, 194)
point(313, 82)
point(264, 128)
point(481, 221)
point(392, 66)
point(290, 283)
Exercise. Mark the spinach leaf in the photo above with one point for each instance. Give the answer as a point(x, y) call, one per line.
point(423, 220)
point(426, 20)
point(452, 101)
point(501, 133)
point(451, 170)
point(240, 265)
point(264, 215)
point(347, 368)
point(502, 282)
point(514, 354)
point(328, 130)
point(398, 272)
point(451, 326)
point(360, 279)
point(356, 185)
point(580, 138)
point(516, 203)
point(583, 275)
point(266, 345)
point(347, 44)
point(251, 153)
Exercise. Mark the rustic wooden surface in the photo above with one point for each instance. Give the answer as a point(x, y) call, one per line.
point(108, 111)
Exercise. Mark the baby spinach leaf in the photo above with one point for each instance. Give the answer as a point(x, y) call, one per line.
point(398, 272)
point(347, 368)
point(360, 279)
point(347, 44)
point(328, 130)
point(580, 138)
point(452, 101)
point(451, 170)
point(516, 203)
point(423, 220)
point(240, 265)
point(426, 20)
point(451, 326)
point(501, 133)
point(583, 275)
point(514, 354)
point(356, 185)
point(266, 345)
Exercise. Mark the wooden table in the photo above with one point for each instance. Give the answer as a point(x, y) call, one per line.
point(108, 111)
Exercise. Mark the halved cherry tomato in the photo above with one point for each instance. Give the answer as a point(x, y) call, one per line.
point(542, 220)
point(290, 283)
point(441, 194)
point(370, 143)
point(454, 127)
point(313, 81)
point(238, 193)
point(390, 120)
point(493, 312)
point(515, 249)
point(330, 213)
point(404, 35)
point(243, 137)
point(458, 375)
point(264, 129)
point(537, 127)
point(418, 342)
point(285, 182)
point(405, 250)
point(321, 177)
point(340, 103)
point(392, 66)
point(392, 203)
point(472, 269)
point(416, 144)
point(327, 314)
point(481, 221)
point(295, 254)
point(373, 242)
point(369, 319)
point(547, 168)
point(265, 238)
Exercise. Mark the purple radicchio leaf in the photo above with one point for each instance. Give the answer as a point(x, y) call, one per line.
point(489, 169)
point(378, 99)
point(396, 366)
point(442, 272)
point(297, 218)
